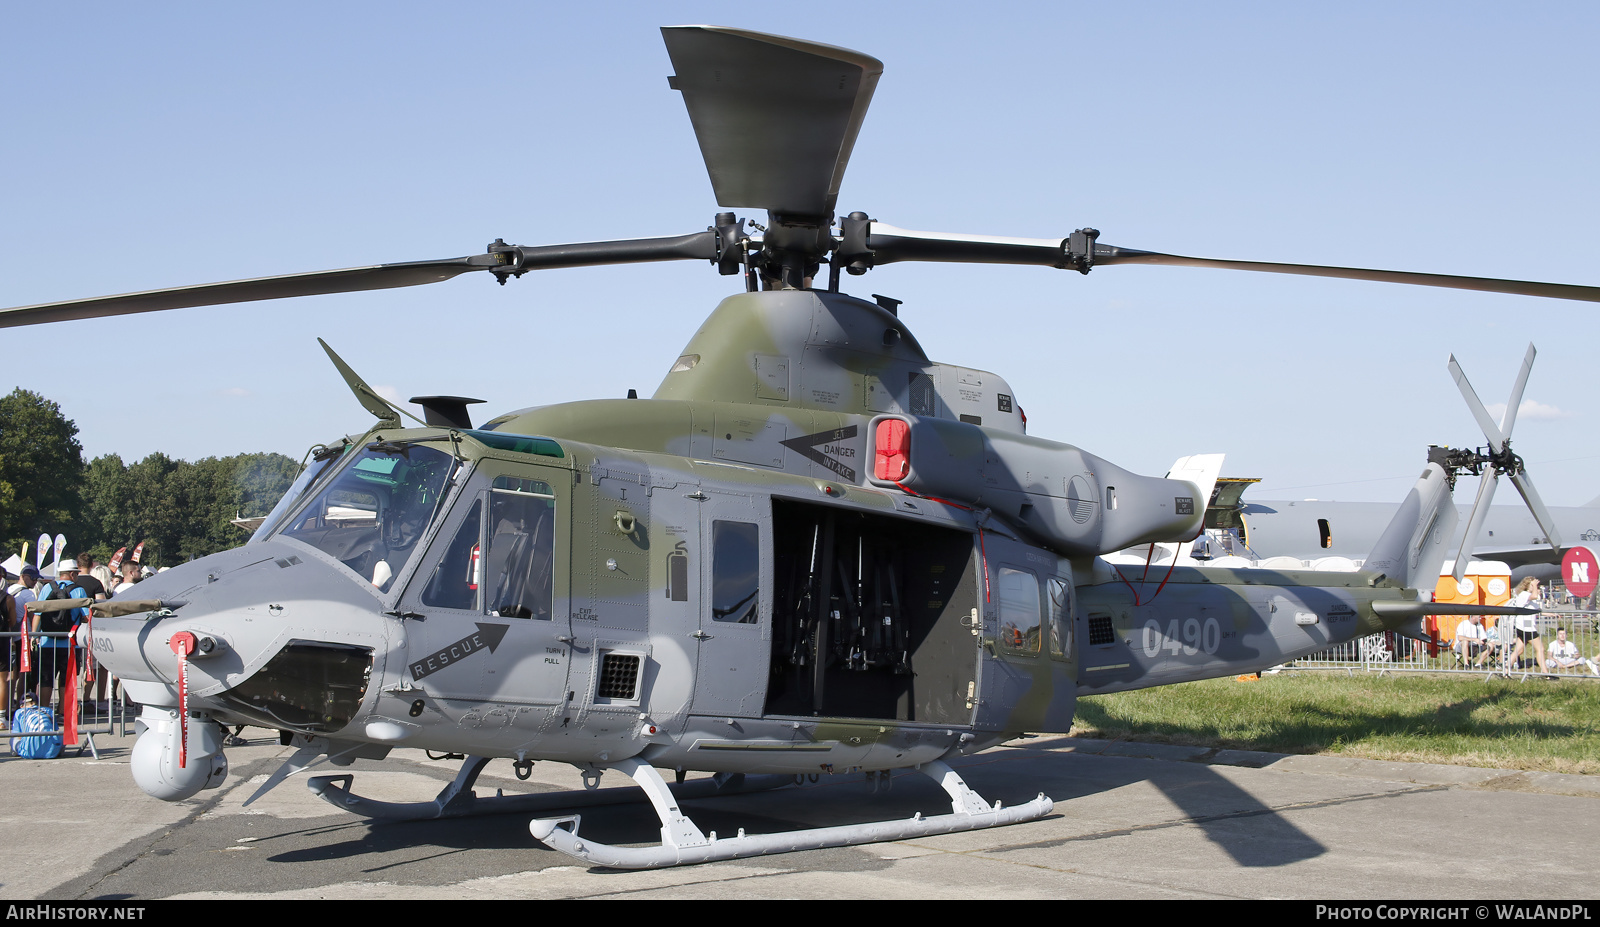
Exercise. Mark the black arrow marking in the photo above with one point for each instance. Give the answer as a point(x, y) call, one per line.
point(806, 446)
point(487, 636)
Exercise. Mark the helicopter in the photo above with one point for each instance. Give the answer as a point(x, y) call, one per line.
point(813, 551)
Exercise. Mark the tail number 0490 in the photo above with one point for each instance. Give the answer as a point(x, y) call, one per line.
point(1187, 637)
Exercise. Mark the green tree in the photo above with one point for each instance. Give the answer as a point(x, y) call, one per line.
point(41, 470)
point(180, 510)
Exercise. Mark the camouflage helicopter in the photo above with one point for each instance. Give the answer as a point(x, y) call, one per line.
point(812, 551)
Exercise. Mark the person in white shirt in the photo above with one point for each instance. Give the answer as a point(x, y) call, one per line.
point(1564, 654)
point(1472, 641)
point(130, 575)
point(1526, 627)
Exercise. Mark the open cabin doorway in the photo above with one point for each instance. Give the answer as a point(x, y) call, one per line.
point(872, 616)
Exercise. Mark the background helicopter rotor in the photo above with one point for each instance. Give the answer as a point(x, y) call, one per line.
point(1498, 461)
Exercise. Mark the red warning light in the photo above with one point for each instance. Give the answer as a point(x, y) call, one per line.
point(893, 458)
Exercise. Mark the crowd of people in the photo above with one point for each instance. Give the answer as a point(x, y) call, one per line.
point(48, 647)
point(1515, 642)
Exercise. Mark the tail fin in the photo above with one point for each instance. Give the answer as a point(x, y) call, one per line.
point(1201, 470)
point(1411, 550)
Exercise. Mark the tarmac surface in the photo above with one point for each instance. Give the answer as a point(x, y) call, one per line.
point(1131, 821)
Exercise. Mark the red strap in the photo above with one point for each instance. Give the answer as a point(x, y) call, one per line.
point(982, 548)
point(69, 698)
point(88, 649)
point(27, 657)
point(183, 644)
point(1148, 555)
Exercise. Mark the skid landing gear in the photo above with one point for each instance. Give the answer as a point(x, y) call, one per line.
point(683, 843)
point(458, 800)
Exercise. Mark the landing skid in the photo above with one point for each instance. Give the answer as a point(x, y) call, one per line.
point(458, 800)
point(683, 843)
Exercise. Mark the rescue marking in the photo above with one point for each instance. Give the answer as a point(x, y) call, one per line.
point(487, 636)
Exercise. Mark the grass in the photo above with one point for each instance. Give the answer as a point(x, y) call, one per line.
point(1461, 720)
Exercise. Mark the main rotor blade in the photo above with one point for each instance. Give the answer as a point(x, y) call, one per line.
point(1109, 254)
point(1510, 418)
point(776, 117)
point(1480, 512)
point(886, 244)
point(1541, 514)
point(889, 244)
point(501, 259)
point(350, 279)
point(1497, 440)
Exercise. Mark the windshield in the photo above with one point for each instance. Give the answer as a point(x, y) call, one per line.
point(321, 462)
point(371, 515)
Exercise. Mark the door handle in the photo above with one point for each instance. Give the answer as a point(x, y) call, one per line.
point(700, 636)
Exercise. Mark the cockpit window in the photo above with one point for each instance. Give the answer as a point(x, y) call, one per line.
point(310, 475)
point(371, 515)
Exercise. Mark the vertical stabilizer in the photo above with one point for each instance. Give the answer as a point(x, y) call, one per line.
point(1412, 548)
point(1201, 470)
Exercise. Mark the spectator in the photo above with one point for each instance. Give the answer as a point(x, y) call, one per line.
point(1527, 626)
point(97, 591)
point(1564, 654)
point(1473, 644)
point(50, 672)
point(13, 657)
point(104, 575)
point(130, 575)
point(91, 584)
point(26, 589)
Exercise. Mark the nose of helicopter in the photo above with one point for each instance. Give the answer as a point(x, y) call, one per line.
point(280, 639)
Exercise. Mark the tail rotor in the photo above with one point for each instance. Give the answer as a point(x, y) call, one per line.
point(1497, 461)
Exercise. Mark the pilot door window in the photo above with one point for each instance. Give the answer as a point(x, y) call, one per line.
point(1019, 611)
point(504, 565)
point(1060, 618)
point(735, 572)
point(459, 575)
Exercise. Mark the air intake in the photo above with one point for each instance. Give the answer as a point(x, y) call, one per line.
point(619, 676)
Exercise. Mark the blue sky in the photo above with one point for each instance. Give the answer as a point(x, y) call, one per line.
point(166, 144)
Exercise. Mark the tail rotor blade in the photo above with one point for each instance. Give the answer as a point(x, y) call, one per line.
point(1510, 418)
point(1536, 506)
point(1490, 429)
point(1480, 511)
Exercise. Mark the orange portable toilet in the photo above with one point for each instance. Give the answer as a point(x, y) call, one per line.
point(1485, 582)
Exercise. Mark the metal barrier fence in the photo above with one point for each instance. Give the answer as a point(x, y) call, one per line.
point(1389, 652)
point(108, 713)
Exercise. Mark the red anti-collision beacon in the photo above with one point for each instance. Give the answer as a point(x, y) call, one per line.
point(892, 461)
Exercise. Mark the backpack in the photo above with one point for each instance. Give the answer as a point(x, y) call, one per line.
point(64, 620)
point(41, 747)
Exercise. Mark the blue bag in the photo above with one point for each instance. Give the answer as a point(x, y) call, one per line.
point(41, 747)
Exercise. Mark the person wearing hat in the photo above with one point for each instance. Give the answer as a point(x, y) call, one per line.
point(50, 673)
point(27, 588)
